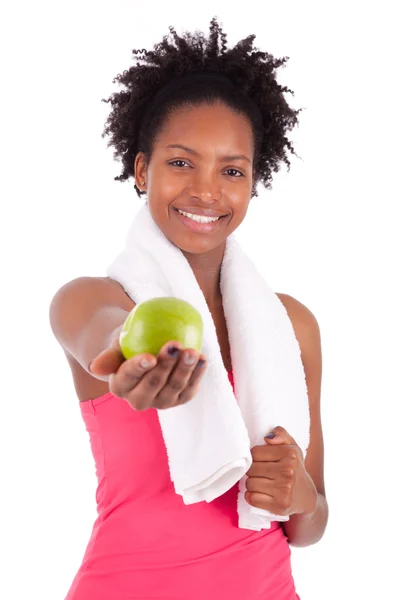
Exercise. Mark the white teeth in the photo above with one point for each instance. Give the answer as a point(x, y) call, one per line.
point(198, 218)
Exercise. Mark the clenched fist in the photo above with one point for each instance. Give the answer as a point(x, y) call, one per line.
point(277, 479)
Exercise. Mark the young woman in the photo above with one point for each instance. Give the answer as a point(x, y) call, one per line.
point(197, 126)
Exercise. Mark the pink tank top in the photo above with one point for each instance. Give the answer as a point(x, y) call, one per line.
point(146, 544)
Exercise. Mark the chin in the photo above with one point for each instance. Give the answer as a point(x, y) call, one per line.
point(191, 247)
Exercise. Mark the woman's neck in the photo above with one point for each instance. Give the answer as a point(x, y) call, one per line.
point(207, 270)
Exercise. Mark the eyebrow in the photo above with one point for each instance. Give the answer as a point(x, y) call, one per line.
point(223, 158)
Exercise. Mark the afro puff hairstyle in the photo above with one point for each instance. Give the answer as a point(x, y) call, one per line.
point(134, 121)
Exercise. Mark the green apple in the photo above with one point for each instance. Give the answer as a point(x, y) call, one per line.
point(153, 323)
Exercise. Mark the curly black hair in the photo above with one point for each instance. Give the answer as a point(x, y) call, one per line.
point(133, 126)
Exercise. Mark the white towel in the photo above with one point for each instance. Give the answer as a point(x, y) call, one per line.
point(208, 439)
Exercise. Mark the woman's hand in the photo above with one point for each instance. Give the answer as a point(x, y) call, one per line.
point(146, 381)
point(277, 479)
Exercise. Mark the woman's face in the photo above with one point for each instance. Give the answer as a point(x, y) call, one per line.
point(202, 163)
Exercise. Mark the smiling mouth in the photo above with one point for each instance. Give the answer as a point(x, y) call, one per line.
point(198, 226)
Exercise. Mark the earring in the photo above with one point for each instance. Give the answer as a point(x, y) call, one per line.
point(143, 182)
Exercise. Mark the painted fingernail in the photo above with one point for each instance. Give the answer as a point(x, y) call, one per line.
point(271, 436)
point(173, 351)
point(201, 363)
point(144, 363)
point(189, 359)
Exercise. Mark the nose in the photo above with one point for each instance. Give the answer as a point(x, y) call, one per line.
point(205, 187)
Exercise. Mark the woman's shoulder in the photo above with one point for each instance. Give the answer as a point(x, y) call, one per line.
point(89, 293)
point(298, 312)
point(115, 289)
point(305, 326)
point(126, 301)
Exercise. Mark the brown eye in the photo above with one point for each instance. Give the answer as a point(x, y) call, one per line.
point(235, 171)
point(174, 163)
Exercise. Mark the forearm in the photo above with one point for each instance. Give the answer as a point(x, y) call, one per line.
point(307, 528)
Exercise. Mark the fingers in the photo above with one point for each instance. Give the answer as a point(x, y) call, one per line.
point(169, 379)
point(180, 385)
point(193, 384)
point(140, 378)
point(130, 373)
point(270, 470)
point(268, 453)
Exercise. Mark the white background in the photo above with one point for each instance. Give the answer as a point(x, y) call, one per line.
point(327, 234)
